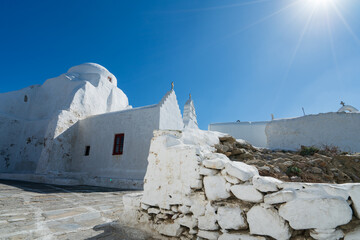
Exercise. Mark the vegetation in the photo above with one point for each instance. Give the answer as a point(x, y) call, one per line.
point(308, 151)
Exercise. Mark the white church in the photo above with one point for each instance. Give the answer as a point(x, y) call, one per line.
point(79, 128)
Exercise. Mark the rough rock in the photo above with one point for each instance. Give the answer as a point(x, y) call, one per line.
point(265, 184)
point(208, 234)
point(215, 188)
point(353, 235)
point(280, 197)
point(170, 229)
point(184, 209)
point(320, 213)
point(326, 234)
point(264, 220)
point(217, 163)
point(239, 236)
point(153, 211)
point(132, 200)
point(188, 221)
point(207, 171)
point(241, 170)
point(355, 197)
point(208, 221)
point(247, 193)
point(232, 180)
point(230, 217)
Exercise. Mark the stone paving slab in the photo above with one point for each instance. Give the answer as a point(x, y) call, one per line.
point(44, 211)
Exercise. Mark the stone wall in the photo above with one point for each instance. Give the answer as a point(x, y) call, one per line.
point(332, 129)
point(253, 132)
point(192, 192)
point(338, 129)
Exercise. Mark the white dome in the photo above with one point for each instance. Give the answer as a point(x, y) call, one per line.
point(90, 68)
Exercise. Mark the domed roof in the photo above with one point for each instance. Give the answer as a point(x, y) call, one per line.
point(94, 68)
point(88, 68)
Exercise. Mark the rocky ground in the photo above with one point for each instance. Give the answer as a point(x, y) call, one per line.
point(44, 211)
point(309, 164)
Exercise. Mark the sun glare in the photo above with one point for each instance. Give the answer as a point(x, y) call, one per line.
point(319, 3)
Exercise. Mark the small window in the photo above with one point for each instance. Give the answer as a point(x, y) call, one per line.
point(25, 98)
point(118, 144)
point(109, 78)
point(87, 150)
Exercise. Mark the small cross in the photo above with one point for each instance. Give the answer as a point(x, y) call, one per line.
point(172, 85)
point(189, 95)
point(342, 103)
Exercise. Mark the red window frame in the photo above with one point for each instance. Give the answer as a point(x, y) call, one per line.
point(118, 144)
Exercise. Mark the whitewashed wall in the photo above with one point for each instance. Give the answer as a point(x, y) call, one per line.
point(253, 132)
point(334, 129)
point(98, 132)
point(208, 196)
point(170, 112)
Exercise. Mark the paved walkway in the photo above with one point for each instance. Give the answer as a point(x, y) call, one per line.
point(42, 211)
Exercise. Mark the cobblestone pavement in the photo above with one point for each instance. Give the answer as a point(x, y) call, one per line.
point(43, 211)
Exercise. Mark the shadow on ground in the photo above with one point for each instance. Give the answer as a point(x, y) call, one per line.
point(50, 188)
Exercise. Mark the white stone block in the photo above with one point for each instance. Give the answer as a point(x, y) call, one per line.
point(144, 206)
point(239, 236)
point(153, 211)
point(355, 197)
point(241, 170)
point(215, 188)
point(279, 197)
point(198, 210)
point(132, 200)
point(170, 229)
point(264, 220)
point(207, 171)
point(216, 163)
point(231, 179)
point(208, 221)
point(326, 234)
point(321, 213)
point(188, 221)
point(265, 184)
point(196, 184)
point(353, 235)
point(174, 208)
point(231, 218)
point(184, 209)
point(247, 193)
point(208, 234)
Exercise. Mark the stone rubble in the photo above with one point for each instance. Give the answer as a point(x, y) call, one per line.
point(236, 200)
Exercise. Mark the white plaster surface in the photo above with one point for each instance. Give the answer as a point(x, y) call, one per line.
point(230, 217)
point(215, 188)
point(253, 132)
point(265, 184)
point(265, 220)
point(239, 236)
point(333, 129)
point(241, 170)
point(247, 193)
point(320, 213)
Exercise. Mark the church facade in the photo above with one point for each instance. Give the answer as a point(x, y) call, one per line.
point(87, 134)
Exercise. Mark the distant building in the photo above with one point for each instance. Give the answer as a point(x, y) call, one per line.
point(340, 129)
point(79, 128)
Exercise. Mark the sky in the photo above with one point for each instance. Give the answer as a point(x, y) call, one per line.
point(240, 60)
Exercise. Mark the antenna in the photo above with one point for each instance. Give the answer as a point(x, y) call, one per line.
point(303, 111)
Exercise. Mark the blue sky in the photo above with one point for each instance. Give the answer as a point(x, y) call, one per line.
point(244, 59)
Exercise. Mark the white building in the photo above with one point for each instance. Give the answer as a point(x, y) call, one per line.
point(340, 129)
point(79, 128)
